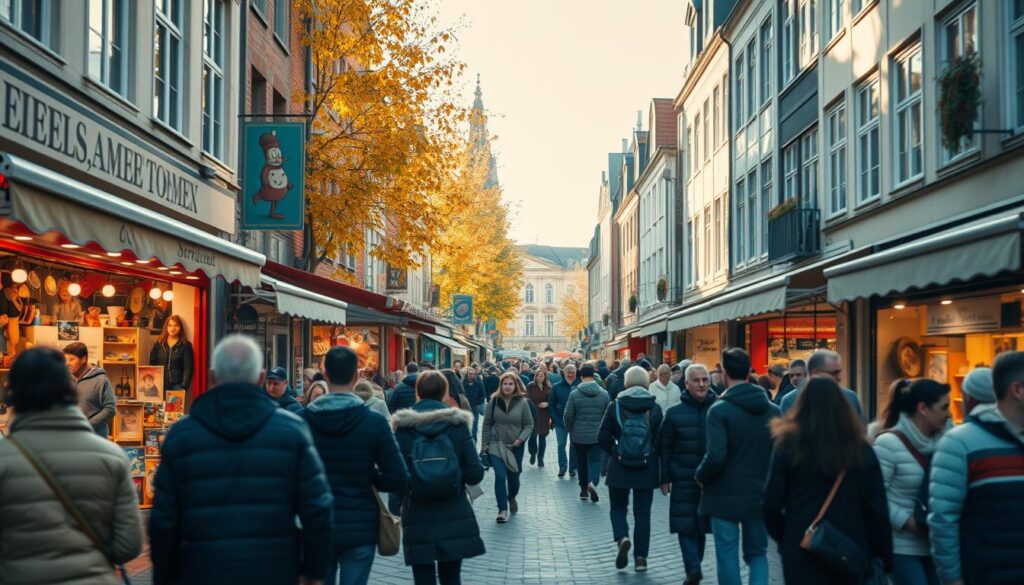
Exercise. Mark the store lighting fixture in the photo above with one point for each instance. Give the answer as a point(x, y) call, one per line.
point(154, 293)
point(162, 268)
point(175, 272)
point(19, 275)
point(190, 277)
point(74, 289)
point(946, 302)
point(168, 295)
point(97, 256)
point(114, 254)
point(23, 238)
point(143, 261)
point(70, 246)
point(899, 306)
point(126, 264)
point(108, 290)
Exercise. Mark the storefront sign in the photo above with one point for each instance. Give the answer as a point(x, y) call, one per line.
point(273, 191)
point(965, 316)
point(36, 116)
point(705, 347)
point(398, 279)
point(365, 341)
point(462, 309)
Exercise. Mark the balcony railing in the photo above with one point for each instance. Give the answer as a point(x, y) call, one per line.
point(793, 235)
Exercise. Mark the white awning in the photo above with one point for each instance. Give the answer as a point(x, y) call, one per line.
point(766, 296)
point(653, 328)
point(47, 201)
point(455, 346)
point(297, 302)
point(981, 248)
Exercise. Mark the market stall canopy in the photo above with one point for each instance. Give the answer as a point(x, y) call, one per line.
point(297, 302)
point(982, 248)
point(455, 346)
point(46, 201)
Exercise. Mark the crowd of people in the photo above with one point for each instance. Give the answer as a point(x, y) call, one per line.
point(264, 483)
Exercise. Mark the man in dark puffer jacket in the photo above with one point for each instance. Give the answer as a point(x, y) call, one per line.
point(353, 442)
point(235, 473)
point(683, 443)
point(404, 395)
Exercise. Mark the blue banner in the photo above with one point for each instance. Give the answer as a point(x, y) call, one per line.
point(462, 309)
point(273, 190)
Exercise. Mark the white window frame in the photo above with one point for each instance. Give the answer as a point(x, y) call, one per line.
point(549, 325)
point(767, 41)
point(708, 124)
point(213, 102)
point(528, 294)
point(12, 12)
point(696, 142)
point(708, 268)
point(903, 153)
point(119, 83)
point(807, 17)
point(549, 293)
point(767, 188)
point(869, 141)
point(165, 23)
point(740, 91)
point(836, 17)
point(968, 144)
point(752, 81)
point(529, 326)
point(718, 234)
point(689, 246)
point(725, 107)
point(809, 167)
point(788, 45)
point(696, 249)
point(741, 221)
point(835, 172)
point(1015, 70)
point(716, 108)
point(752, 223)
point(791, 170)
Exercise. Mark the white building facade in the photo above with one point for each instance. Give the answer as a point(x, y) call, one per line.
point(549, 276)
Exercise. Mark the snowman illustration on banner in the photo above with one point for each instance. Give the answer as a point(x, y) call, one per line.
point(274, 183)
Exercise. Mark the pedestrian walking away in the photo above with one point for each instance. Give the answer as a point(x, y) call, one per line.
point(237, 478)
point(538, 392)
point(682, 444)
point(52, 441)
point(360, 455)
point(439, 529)
point(821, 460)
point(507, 426)
point(404, 395)
point(914, 421)
point(733, 471)
point(628, 434)
point(975, 519)
point(558, 398)
point(477, 396)
point(584, 412)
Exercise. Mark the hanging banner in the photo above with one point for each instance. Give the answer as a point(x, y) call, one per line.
point(398, 279)
point(273, 190)
point(462, 309)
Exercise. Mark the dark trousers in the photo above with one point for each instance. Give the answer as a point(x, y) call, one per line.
point(447, 572)
point(619, 502)
point(537, 444)
point(588, 461)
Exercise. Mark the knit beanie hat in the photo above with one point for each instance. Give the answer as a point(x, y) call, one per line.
point(978, 385)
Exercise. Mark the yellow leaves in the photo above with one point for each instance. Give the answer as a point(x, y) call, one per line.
point(575, 314)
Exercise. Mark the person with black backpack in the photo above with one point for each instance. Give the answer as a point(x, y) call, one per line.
point(628, 435)
point(439, 528)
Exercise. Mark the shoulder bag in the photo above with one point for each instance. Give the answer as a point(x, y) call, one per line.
point(69, 506)
point(831, 546)
point(389, 529)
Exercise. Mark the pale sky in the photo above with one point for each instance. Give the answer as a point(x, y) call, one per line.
point(562, 82)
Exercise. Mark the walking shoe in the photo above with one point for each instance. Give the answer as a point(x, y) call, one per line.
point(583, 495)
point(693, 578)
point(572, 474)
point(623, 557)
point(561, 474)
point(533, 459)
point(593, 493)
point(513, 505)
point(640, 564)
point(540, 463)
point(502, 517)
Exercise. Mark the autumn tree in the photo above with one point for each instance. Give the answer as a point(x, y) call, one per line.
point(575, 313)
point(385, 126)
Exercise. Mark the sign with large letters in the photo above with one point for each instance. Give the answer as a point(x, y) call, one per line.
point(38, 117)
point(273, 192)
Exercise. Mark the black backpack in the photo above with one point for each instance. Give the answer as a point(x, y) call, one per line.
point(633, 448)
point(435, 470)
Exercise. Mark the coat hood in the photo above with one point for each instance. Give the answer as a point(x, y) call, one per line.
point(58, 418)
point(94, 372)
point(234, 411)
point(636, 399)
point(410, 380)
point(748, 397)
point(431, 417)
point(336, 414)
point(591, 388)
point(991, 419)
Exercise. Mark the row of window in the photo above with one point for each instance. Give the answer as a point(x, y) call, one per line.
point(706, 241)
point(549, 293)
point(529, 329)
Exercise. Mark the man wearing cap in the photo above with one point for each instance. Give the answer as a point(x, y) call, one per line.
point(277, 387)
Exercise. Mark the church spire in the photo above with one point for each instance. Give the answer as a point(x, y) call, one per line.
point(480, 138)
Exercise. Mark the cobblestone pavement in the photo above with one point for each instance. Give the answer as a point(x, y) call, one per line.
point(555, 538)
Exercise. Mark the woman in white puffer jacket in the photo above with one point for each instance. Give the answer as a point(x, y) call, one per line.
point(913, 423)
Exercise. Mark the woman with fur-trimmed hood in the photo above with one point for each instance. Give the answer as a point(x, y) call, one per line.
point(438, 534)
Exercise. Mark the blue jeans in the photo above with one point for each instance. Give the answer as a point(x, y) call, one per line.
point(913, 570)
point(588, 459)
point(692, 547)
point(478, 412)
point(619, 502)
point(538, 444)
point(355, 564)
point(563, 438)
point(506, 483)
point(727, 545)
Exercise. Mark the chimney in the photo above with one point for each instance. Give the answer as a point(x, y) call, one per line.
point(639, 120)
point(604, 177)
point(625, 145)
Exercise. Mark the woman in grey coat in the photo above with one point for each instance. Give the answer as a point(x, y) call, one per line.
point(583, 413)
point(508, 423)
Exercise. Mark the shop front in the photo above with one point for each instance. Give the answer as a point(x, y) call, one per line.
point(937, 306)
